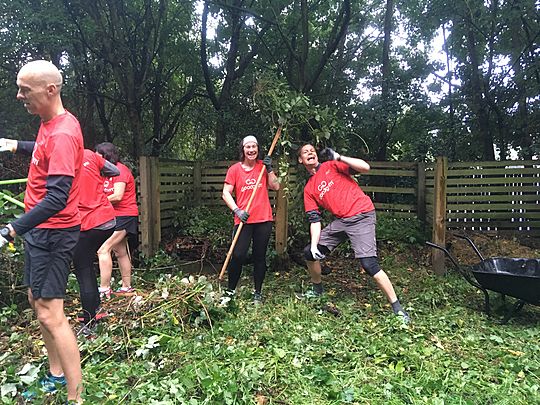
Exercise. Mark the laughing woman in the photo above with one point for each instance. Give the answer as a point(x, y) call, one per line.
point(240, 180)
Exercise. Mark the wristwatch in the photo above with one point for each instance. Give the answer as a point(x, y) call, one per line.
point(5, 233)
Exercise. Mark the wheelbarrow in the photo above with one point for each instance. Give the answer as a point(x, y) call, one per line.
point(518, 278)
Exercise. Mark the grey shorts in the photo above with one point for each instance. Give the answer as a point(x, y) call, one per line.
point(360, 230)
point(48, 254)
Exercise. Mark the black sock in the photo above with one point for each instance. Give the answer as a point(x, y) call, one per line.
point(396, 307)
point(318, 288)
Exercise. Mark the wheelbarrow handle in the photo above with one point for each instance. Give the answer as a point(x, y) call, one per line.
point(454, 261)
point(472, 245)
point(460, 270)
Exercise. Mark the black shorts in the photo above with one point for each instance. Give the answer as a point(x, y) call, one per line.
point(48, 254)
point(129, 224)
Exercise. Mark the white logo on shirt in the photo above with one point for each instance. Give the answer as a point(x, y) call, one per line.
point(250, 185)
point(106, 187)
point(324, 188)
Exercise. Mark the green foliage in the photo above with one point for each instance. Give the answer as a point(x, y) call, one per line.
point(294, 111)
point(11, 256)
point(398, 229)
point(213, 223)
point(181, 343)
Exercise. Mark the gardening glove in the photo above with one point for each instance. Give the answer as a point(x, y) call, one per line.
point(267, 161)
point(5, 236)
point(316, 253)
point(7, 145)
point(330, 154)
point(241, 214)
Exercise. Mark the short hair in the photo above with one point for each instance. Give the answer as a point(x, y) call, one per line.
point(109, 151)
point(299, 150)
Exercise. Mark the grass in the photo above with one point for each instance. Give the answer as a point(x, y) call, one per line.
point(295, 352)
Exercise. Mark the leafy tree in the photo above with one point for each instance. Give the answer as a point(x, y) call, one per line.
point(145, 51)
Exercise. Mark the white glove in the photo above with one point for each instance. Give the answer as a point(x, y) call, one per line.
point(7, 145)
point(3, 241)
point(316, 253)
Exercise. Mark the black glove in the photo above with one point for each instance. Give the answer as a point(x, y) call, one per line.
point(330, 154)
point(267, 161)
point(241, 214)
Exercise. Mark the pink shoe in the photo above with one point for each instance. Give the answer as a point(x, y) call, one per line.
point(105, 293)
point(125, 291)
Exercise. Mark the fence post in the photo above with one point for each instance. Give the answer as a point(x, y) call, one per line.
point(282, 224)
point(439, 214)
point(197, 180)
point(150, 206)
point(421, 193)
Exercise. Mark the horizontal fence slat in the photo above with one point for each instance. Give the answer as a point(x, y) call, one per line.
point(492, 207)
point(496, 215)
point(498, 189)
point(496, 172)
point(395, 207)
point(493, 198)
point(387, 172)
point(499, 163)
point(405, 165)
point(489, 181)
point(381, 189)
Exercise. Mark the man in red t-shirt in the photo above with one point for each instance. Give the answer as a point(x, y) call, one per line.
point(52, 221)
point(332, 187)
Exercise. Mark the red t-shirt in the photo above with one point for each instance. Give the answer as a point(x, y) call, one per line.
point(94, 206)
point(127, 206)
point(333, 188)
point(58, 151)
point(243, 182)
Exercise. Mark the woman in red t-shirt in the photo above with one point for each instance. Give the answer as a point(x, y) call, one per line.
point(121, 192)
point(240, 179)
point(97, 225)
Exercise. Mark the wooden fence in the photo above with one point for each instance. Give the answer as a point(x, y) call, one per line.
point(482, 196)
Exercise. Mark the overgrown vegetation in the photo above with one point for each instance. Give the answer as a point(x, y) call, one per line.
point(180, 341)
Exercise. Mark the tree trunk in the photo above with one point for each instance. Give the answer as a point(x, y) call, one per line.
point(477, 96)
point(382, 132)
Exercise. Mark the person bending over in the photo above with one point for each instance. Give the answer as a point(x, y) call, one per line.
point(331, 187)
point(120, 191)
point(97, 225)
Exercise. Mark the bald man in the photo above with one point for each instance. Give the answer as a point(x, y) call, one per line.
point(51, 222)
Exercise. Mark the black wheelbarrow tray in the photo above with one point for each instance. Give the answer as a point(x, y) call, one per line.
point(518, 278)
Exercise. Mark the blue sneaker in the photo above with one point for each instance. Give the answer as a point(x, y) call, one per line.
point(405, 318)
point(48, 384)
point(311, 293)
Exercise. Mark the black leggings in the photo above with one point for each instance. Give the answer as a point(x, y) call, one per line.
point(83, 260)
point(260, 234)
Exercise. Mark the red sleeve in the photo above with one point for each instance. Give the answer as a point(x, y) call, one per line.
point(230, 177)
point(124, 175)
point(342, 167)
point(64, 150)
point(100, 161)
point(309, 202)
